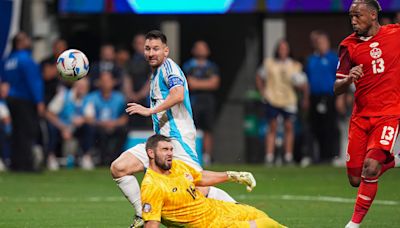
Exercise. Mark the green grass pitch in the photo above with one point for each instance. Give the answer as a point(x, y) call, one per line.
point(312, 197)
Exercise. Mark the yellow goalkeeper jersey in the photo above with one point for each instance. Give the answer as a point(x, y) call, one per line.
point(173, 200)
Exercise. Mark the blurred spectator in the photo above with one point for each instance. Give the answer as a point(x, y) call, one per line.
point(122, 58)
point(137, 83)
point(25, 102)
point(277, 80)
point(110, 130)
point(106, 63)
point(323, 116)
point(5, 132)
point(52, 84)
point(70, 115)
point(397, 18)
point(49, 70)
point(203, 79)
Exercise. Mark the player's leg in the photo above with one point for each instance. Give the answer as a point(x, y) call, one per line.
point(270, 141)
point(378, 160)
point(242, 215)
point(356, 149)
point(208, 112)
point(289, 119)
point(122, 169)
point(216, 193)
point(368, 186)
point(266, 222)
point(356, 152)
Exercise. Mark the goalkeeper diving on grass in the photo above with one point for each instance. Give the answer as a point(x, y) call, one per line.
point(169, 194)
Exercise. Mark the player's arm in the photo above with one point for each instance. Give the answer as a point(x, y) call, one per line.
point(346, 72)
point(152, 224)
point(209, 178)
point(342, 84)
point(176, 96)
point(260, 81)
point(54, 108)
point(152, 202)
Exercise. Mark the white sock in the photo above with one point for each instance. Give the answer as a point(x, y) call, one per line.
point(269, 157)
point(288, 157)
point(219, 194)
point(351, 224)
point(131, 189)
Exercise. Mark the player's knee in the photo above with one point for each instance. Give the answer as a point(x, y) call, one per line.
point(355, 184)
point(370, 172)
point(118, 169)
point(371, 168)
point(288, 125)
point(354, 181)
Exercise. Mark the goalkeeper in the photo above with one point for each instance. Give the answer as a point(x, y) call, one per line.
point(169, 194)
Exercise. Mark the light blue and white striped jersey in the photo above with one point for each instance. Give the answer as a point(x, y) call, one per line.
point(176, 122)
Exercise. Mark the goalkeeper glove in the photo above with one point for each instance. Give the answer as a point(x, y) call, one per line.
point(245, 178)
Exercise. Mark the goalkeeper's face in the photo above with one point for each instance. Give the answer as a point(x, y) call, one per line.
point(163, 155)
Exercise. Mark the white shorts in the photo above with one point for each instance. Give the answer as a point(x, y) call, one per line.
point(139, 151)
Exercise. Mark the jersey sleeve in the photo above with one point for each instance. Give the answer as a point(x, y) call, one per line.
point(57, 103)
point(174, 75)
point(344, 63)
point(152, 201)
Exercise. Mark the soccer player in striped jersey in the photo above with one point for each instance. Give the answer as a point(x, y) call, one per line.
point(169, 195)
point(171, 113)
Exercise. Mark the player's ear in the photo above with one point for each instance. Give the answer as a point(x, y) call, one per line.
point(166, 51)
point(150, 153)
point(374, 14)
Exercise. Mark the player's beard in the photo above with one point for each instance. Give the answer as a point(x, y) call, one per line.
point(164, 165)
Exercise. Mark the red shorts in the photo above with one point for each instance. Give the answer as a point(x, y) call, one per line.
point(366, 133)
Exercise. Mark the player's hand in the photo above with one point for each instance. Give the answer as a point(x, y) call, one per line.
point(356, 73)
point(245, 178)
point(134, 108)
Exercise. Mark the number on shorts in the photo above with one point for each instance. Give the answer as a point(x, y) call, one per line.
point(387, 135)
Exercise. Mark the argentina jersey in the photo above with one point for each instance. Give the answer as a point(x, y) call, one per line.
point(176, 122)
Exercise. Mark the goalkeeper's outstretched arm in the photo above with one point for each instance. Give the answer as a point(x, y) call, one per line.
point(210, 178)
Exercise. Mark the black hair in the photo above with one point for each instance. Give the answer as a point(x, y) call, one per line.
point(374, 4)
point(152, 142)
point(156, 34)
point(276, 50)
point(16, 39)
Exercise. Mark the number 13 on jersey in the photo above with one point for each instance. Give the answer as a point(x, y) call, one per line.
point(378, 66)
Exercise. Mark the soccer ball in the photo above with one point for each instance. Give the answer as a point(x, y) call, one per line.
point(72, 65)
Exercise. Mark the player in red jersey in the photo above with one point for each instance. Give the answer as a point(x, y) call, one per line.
point(370, 58)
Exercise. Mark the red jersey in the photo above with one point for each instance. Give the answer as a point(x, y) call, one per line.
point(378, 91)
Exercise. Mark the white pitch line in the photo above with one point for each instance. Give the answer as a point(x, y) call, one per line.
point(330, 199)
point(314, 198)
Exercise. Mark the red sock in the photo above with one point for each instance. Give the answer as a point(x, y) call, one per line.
point(386, 166)
point(365, 197)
